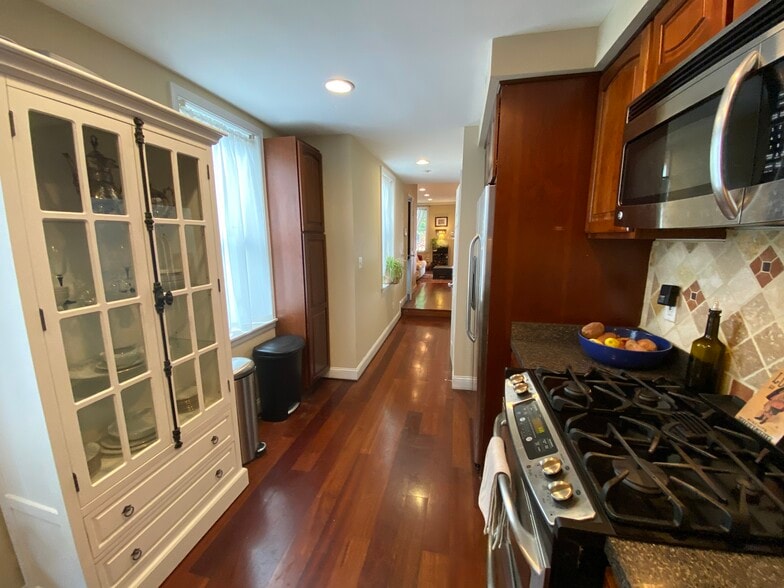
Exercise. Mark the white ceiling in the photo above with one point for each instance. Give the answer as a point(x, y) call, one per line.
point(420, 66)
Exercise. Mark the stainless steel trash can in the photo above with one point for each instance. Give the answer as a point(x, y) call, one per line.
point(245, 392)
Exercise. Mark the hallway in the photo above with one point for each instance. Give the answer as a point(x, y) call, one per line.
point(430, 298)
point(368, 483)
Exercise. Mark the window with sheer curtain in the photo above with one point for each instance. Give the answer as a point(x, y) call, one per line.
point(242, 219)
point(387, 219)
point(421, 228)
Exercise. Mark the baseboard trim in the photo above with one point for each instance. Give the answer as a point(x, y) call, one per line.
point(463, 382)
point(340, 373)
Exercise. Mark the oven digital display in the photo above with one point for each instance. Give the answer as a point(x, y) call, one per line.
point(537, 440)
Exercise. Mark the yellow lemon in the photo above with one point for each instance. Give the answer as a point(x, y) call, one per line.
point(612, 342)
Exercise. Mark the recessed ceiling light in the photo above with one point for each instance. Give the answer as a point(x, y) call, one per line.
point(422, 189)
point(427, 195)
point(339, 86)
point(422, 162)
point(429, 198)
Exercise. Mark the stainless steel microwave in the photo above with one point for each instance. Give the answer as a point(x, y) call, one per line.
point(703, 147)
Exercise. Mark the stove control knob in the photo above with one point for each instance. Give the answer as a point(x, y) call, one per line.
point(521, 388)
point(551, 466)
point(560, 490)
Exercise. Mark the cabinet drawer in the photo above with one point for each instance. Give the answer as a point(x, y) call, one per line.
point(150, 495)
point(142, 548)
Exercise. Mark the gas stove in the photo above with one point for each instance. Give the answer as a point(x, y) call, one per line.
point(642, 459)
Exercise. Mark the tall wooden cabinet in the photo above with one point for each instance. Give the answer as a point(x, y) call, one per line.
point(299, 255)
point(118, 425)
point(544, 267)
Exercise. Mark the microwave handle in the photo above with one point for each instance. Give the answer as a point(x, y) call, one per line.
point(729, 208)
point(526, 542)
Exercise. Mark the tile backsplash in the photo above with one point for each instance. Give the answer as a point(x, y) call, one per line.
point(745, 275)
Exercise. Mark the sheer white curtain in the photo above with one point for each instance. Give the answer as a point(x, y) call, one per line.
point(387, 219)
point(421, 228)
point(242, 218)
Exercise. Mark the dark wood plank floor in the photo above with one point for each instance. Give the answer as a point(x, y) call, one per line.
point(368, 483)
point(430, 298)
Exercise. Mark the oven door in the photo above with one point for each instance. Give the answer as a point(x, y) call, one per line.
point(525, 560)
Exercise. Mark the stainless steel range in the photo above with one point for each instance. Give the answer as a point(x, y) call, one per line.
point(608, 454)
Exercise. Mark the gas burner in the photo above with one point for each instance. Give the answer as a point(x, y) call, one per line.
point(576, 389)
point(640, 475)
point(646, 397)
point(746, 488)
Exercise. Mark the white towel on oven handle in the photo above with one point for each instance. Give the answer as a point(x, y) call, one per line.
point(490, 501)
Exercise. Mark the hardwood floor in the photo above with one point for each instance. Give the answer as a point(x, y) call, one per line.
point(368, 483)
point(430, 298)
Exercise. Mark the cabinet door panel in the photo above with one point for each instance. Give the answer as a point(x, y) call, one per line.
point(311, 201)
point(318, 343)
point(94, 287)
point(315, 251)
point(680, 28)
point(623, 81)
point(188, 263)
point(739, 7)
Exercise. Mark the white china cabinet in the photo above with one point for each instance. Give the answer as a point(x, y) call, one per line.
point(117, 417)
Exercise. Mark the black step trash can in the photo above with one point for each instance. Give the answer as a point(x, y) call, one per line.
point(279, 375)
point(245, 391)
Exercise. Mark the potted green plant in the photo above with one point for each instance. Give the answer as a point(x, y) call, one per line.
point(393, 269)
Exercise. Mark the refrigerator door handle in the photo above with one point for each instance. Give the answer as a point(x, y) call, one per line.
point(470, 300)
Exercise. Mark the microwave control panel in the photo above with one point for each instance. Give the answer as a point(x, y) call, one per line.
point(775, 155)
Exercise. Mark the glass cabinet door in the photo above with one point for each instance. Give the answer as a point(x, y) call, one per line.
point(187, 265)
point(78, 172)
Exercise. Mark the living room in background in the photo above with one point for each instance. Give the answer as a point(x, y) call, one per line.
point(242, 215)
point(421, 229)
point(387, 222)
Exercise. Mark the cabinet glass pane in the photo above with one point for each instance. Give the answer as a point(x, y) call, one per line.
point(210, 377)
point(69, 263)
point(167, 239)
point(185, 391)
point(84, 353)
point(202, 316)
point(95, 422)
point(130, 357)
point(103, 171)
point(189, 187)
point(114, 252)
point(139, 414)
point(54, 158)
point(196, 246)
point(159, 171)
point(178, 328)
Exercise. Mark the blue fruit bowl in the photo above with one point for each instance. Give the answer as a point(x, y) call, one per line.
point(625, 358)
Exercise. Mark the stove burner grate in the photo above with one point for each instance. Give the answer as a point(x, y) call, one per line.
point(648, 480)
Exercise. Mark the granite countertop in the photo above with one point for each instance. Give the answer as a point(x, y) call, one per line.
point(637, 564)
point(555, 346)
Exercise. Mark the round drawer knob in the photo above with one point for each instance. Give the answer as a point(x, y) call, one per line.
point(128, 510)
point(560, 490)
point(551, 466)
point(136, 554)
point(215, 439)
point(219, 474)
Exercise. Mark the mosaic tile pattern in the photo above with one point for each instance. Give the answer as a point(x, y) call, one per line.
point(745, 275)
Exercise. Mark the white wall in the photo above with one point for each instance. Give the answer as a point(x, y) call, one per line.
point(362, 311)
point(472, 181)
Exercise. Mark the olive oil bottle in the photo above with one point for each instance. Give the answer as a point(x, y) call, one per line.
point(705, 360)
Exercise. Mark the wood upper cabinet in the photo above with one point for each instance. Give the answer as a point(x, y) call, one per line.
point(679, 28)
point(621, 83)
point(299, 255)
point(739, 7)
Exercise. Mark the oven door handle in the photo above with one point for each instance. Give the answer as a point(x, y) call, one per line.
point(526, 542)
point(726, 203)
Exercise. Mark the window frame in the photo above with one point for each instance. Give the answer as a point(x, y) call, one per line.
point(416, 233)
point(178, 92)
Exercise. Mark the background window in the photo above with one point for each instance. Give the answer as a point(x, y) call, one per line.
point(242, 218)
point(387, 219)
point(421, 228)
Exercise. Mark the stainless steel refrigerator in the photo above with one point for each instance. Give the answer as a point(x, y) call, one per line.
point(479, 254)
